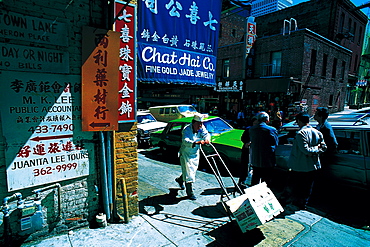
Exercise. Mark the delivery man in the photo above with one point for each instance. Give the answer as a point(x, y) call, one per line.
point(193, 135)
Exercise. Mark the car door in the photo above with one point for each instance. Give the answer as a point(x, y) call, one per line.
point(367, 157)
point(173, 135)
point(348, 165)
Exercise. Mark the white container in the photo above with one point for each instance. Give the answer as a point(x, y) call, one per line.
point(101, 219)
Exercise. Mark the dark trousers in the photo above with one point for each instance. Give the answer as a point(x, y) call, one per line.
point(262, 174)
point(300, 186)
point(244, 168)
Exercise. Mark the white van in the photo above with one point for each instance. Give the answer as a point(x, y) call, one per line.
point(171, 112)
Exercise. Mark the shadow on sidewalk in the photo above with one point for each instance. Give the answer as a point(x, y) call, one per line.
point(212, 211)
point(231, 235)
point(152, 204)
point(217, 191)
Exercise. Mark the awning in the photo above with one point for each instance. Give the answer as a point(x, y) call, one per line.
point(268, 85)
point(167, 101)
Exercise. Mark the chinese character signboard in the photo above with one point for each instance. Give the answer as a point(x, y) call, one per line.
point(39, 114)
point(251, 35)
point(125, 24)
point(178, 40)
point(249, 49)
point(99, 79)
point(361, 83)
point(229, 86)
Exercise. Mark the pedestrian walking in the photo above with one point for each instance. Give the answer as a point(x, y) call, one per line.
point(277, 119)
point(304, 161)
point(193, 135)
point(264, 140)
point(241, 119)
point(245, 169)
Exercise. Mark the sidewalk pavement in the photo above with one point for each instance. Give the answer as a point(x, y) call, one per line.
point(168, 219)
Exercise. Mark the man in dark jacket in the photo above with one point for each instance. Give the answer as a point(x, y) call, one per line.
point(264, 140)
point(321, 116)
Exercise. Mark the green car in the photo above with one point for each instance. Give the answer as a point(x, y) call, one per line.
point(224, 138)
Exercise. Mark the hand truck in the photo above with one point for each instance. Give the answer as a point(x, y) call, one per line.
point(212, 157)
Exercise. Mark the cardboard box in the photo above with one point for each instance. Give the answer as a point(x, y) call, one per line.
point(257, 206)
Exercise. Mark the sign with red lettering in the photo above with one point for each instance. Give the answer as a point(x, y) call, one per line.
point(99, 79)
point(125, 24)
point(251, 35)
point(41, 116)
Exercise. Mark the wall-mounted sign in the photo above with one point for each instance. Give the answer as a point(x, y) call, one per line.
point(39, 114)
point(361, 83)
point(230, 86)
point(33, 59)
point(126, 25)
point(16, 26)
point(251, 35)
point(99, 79)
point(178, 40)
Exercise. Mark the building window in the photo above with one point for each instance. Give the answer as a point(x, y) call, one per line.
point(341, 23)
point(353, 31)
point(313, 62)
point(276, 63)
point(359, 36)
point(324, 65)
point(343, 70)
point(226, 68)
point(233, 33)
point(349, 25)
point(331, 97)
point(334, 71)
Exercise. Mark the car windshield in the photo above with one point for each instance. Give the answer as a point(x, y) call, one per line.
point(217, 126)
point(145, 119)
point(187, 108)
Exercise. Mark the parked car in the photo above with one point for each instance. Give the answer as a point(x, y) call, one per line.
point(224, 137)
point(146, 123)
point(351, 164)
point(170, 112)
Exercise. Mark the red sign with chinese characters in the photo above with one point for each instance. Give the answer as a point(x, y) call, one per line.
point(251, 34)
point(99, 79)
point(125, 24)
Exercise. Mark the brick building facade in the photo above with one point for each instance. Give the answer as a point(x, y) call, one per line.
point(335, 20)
point(288, 69)
point(61, 203)
point(311, 68)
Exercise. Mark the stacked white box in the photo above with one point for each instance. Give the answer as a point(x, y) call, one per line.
point(257, 206)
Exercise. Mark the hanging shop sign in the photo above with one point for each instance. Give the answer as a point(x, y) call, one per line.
point(251, 35)
point(16, 26)
point(125, 24)
point(229, 86)
point(178, 40)
point(39, 114)
point(99, 79)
